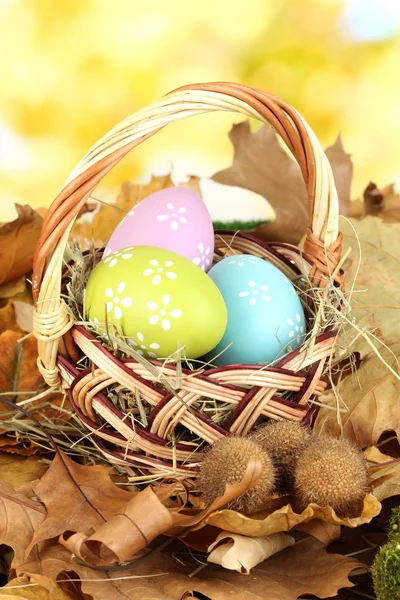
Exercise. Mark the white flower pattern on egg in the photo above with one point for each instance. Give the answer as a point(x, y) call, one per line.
point(176, 216)
point(142, 348)
point(157, 271)
point(297, 328)
point(163, 313)
point(124, 254)
point(116, 301)
point(242, 260)
point(254, 292)
point(204, 260)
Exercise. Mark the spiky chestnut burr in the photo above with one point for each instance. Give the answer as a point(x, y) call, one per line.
point(284, 441)
point(332, 472)
point(226, 462)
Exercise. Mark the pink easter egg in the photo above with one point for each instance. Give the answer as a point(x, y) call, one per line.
point(174, 219)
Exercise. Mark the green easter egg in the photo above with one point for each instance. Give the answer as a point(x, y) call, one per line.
point(159, 300)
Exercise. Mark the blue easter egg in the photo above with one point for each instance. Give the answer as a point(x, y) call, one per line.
point(265, 316)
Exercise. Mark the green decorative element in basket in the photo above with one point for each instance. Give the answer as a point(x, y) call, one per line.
point(237, 225)
point(386, 565)
point(157, 299)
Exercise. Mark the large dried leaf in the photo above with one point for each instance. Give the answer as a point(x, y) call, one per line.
point(321, 530)
point(20, 379)
point(386, 480)
point(305, 568)
point(19, 470)
point(21, 588)
point(24, 315)
point(18, 369)
point(260, 164)
point(342, 169)
point(8, 320)
point(100, 226)
point(383, 202)
point(13, 288)
point(241, 553)
point(18, 242)
point(286, 517)
point(21, 447)
point(19, 517)
point(77, 498)
point(371, 395)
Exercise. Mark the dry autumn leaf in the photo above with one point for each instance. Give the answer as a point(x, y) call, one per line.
point(375, 456)
point(386, 480)
point(371, 395)
point(13, 288)
point(383, 202)
point(321, 530)
point(18, 370)
point(81, 506)
point(260, 164)
point(24, 315)
point(241, 553)
point(305, 568)
point(26, 513)
point(16, 315)
point(21, 380)
point(19, 470)
point(284, 518)
point(342, 168)
point(8, 319)
point(18, 242)
point(22, 589)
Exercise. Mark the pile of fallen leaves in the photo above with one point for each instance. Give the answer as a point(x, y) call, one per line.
point(65, 520)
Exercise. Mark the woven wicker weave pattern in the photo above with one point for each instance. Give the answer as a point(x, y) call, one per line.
point(252, 392)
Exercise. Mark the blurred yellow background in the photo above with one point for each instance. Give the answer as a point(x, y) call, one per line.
point(72, 68)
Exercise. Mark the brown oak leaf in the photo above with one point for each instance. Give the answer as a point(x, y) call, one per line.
point(24, 315)
point(371, 395)
point(241, 553)
point(342, 168)
point(386, 479)
point(321, 530)
point(260, 164)
point(22, 588)
point(18, 370)
point(305, 568)
point(383, 202)
point(19, 470)
point(20, 379)
point(19, 517)
point(283, 517)
point(81, 506)
point(18, 241)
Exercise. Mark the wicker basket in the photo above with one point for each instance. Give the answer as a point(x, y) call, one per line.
point(251, 391)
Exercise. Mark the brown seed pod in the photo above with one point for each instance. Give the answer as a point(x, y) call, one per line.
point(284, 441)
point(226, 462)
point(332, 472)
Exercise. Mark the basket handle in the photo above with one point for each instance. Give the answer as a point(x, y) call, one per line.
point(323, 242)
